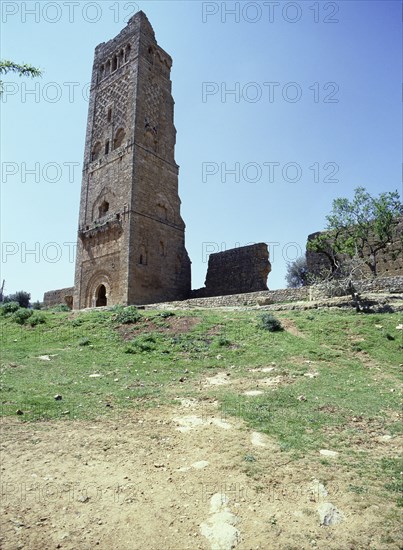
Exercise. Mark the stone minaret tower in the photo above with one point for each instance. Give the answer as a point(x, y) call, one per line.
point(131, 237)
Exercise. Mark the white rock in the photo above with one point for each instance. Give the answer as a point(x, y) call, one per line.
point(200, 465)
point(220, 528)
point(187, 423)
point(253, 393)
point(329, 514)
point(258, 439)
point(221, 423)
point(318, 488)
point(325, 452)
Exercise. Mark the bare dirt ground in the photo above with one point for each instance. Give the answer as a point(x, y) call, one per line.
point(176, 478)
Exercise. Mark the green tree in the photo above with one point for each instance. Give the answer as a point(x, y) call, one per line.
point(297, 273)
point(360, 228)
point(7, 66)
point(21, 297)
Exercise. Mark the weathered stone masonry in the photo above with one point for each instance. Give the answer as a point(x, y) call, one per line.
point(131, 237)
point(56, 297)
point(131, 245)
point(390, 263)
point(234, 271)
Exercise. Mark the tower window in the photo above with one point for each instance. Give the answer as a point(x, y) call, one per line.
point(109, 115)
point(101, 72)
point(106, 146)
point(103, 209)
point(121, 58)
point(114, 63)
point(96, 151)
point(127, 53)
point(119, 137)
point(107, 68)
point(143, 255)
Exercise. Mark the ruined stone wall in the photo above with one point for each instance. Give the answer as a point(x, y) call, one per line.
point(340, 288)
point(61, 296)
point(384, 285)
point(235, 271)
point(389, 263)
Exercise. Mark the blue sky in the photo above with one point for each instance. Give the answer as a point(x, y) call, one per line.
point(280, 107)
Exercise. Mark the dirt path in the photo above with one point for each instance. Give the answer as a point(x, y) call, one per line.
point(173, 478)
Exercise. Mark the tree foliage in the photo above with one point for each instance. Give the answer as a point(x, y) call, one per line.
point(21, 297)
point(297, 273)
point(25, 69)
point(22, 70)
point(361, 228)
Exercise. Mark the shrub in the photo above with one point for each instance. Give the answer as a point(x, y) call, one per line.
point(37, 319)
point(84, 342)
point(60, 307)
point(21, 315)
point(9, 307)
point(166, 314)
point(223, 342)
point(128, 315)
point(142, 344)
point(37, 305)
point(21, 297)
point(270, 323)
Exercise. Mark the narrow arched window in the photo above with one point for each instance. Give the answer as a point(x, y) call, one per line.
point(119, 137)
point(143, 255)
point(127, 53)
point(103, 209)
point(96, 151)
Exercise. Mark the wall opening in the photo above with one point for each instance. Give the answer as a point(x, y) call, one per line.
point(101, 299)
point(96, 151)
point(143, 255)
point(106, 146)
point(103, 209)
point(127, 53)
point(119, 137)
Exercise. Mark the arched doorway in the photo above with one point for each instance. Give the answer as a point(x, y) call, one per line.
point(100, 297)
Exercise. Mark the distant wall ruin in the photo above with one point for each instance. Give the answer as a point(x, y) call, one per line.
point(61, 296)
point(236, 271)
point(390, 263)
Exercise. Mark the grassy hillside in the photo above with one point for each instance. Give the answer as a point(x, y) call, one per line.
point(329, 380)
